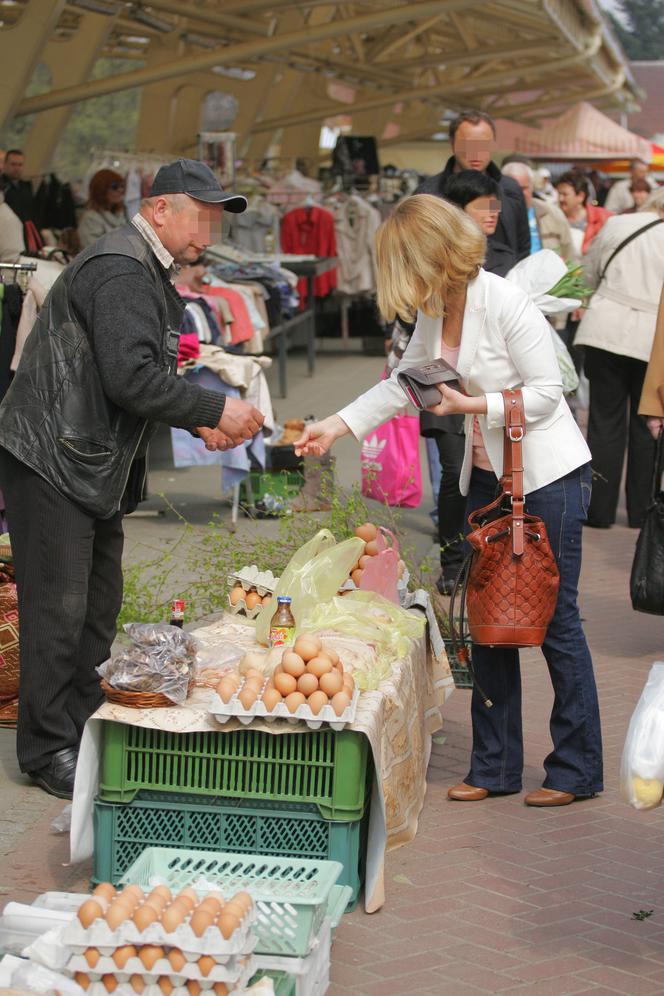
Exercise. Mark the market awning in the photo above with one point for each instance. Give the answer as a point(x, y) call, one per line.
point(584, 133)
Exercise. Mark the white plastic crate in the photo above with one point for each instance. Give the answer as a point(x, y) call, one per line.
point(311, 974)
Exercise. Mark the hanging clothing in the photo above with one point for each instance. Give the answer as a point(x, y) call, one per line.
point(311, 231)
point(356, 223)
point(94, 224)
point(12, 300)
point(257, 228)
point(12, 242)
point(54, 204)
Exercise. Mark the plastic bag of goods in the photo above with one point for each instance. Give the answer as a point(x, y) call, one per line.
point(642, 768)
point(162, 658)
point(314, 574)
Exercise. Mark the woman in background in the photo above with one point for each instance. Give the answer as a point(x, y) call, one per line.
point(105, 208)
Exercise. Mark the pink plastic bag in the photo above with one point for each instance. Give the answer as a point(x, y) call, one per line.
point(382, 572)
point(391, 471)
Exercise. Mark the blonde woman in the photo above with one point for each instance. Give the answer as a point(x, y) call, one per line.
point(430, 257)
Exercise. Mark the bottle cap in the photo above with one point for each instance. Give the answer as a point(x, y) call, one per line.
point(286, 599)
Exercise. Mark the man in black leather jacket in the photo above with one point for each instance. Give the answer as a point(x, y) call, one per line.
point(97, 372)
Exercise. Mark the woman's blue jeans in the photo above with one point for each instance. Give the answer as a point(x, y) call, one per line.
point(575, 763)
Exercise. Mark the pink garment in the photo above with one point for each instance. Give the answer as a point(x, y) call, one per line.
point(188, 294)
point(480, 459)
point(241, 330)
point(189, 348)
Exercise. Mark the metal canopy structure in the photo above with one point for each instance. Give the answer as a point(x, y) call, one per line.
point(394, 67)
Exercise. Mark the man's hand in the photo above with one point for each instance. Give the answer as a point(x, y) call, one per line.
point(214, 439)
point(239, 420)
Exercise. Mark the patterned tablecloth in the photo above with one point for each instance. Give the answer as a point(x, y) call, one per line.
point(399, 719)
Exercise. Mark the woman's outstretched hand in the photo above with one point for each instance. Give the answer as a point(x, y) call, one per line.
point(319, 437)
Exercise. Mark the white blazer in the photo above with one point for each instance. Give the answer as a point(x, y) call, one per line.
point(505, 342)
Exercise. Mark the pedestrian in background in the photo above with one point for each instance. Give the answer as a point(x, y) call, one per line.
point(549, 228)
point(625, 265)
point(640, 191)
point(619, 197)
point(19, 197)
point(585, 218)
point(104, 210)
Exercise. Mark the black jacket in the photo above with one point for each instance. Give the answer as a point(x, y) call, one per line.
point(19, 197)
point(79, 417)
point(511, 240)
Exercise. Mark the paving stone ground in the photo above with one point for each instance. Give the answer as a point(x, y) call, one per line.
point(490, 897)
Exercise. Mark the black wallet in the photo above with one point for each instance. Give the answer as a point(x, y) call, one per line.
point(419, 383)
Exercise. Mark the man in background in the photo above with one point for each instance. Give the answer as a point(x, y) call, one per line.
point(473, 138)
point(549, 228)
point(20, 198)
point(620, 198)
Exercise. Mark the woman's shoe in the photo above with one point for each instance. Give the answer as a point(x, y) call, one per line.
point(549, 797)
point(467, 793)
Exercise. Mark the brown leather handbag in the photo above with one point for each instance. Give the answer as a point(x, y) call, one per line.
point(509, 582)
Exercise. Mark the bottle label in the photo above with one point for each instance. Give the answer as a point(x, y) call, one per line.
point(282, 636)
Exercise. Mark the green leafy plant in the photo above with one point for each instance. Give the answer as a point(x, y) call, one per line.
point(642, 915)
point(572, 284)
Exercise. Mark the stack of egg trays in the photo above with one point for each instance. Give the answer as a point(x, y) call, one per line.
point(250, 577)
point(235, 964)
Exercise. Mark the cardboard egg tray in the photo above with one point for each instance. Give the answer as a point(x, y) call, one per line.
point(99, 989)
point(250, 577)
point(233, 709)
point(235, 973)
point(99, 935)
point(240, 609)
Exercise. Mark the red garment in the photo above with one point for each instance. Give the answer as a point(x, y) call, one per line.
point(310, 231)
point(189, 347)
point(595, 219)
point(241, 330)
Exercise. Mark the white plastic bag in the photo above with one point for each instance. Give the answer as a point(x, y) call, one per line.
point(642, 767)
point(536, 275)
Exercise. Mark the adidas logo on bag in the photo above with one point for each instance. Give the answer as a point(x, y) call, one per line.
point(373, 447)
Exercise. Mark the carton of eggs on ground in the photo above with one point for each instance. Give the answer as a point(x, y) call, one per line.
point(212, 926)
point(202, 976)
point(163, 986)
point(374, 543)
point(309, 684)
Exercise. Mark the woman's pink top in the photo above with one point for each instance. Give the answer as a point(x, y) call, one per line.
point(480, 459)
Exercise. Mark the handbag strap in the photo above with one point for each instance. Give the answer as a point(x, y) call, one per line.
point(626, 242)
point(512, 479)
point(658, 468)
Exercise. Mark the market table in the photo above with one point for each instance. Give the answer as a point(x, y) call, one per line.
point(399, 719)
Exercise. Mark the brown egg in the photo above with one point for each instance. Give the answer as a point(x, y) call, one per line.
point(220, 989)
point(82, 979)
point(340, 702)
point(253, 599)
point(137, 983)
point(219, 896)
point(226, 689)
point(172, 917)
point(319, 666)
point(317, 701)
point(267, 599)
point(165, 985)
point(200, 921)
point(331, 683)
point(363, 561)
point(271, 698)
point(255, 684)
point(285, 684)
point(133, 891)
point(330, 654)
point(150, 954)
point(162, 890)
point(110, 983)
point(193, 987)
point(92, 956)
point(118, 912)
point(238, 595)
point(189, 893)
point(234, 908)
point(105, 890)
point(401, 568)
point(177, 959)
point(206, 964)
point(349, 684)
point(122, 955)
point(144, 916)
point(367, 532)
point(90, 911)
point(372, 549)
point(356, 577)
point(185, 902)
point(307, 684)
point(307, 647)
point(247, 697)
point(228, 924)
point(156, 903)
point(294, 701)
point(210, 904)
point(292, 663)
point(244, 899)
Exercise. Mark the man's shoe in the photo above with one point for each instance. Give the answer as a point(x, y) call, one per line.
point(57, 777)
point(549, 797)
point(467, 793)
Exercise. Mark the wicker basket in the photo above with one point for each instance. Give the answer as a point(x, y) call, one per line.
point(139, 700)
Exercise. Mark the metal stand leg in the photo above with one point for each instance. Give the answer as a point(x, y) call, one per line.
point(283, 361)
point(311, 329)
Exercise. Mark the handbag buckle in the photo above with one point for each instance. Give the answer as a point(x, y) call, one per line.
point(515, 433)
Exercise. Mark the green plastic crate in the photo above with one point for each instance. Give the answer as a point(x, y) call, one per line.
point(460, 674)
point(281, 483)
point(122, 832)
point(323, 768)
point(293, 895)
point(284, 984)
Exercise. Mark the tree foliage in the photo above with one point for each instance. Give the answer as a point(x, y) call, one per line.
point(641, 28)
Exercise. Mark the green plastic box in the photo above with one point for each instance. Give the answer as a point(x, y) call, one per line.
point(322, 768)
point(460, 674)
point(280, 483)
point(122, 832)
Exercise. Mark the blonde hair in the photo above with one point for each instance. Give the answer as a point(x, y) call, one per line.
point(427, 250)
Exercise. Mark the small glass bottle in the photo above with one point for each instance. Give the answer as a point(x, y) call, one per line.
point(282, 626)
point(177, 613)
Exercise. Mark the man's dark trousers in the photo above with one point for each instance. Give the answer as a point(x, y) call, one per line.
point(69, 582)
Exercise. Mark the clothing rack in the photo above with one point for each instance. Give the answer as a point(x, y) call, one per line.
point(20, 272)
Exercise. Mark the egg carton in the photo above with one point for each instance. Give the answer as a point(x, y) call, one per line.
point(235, 974)
point(233, 709)
point(99, 989)
point(99, 935)
point(240, 609)
point(250, 577)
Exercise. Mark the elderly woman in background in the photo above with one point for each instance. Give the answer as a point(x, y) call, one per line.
point(105, 208)
point(585, 218)
point(430, 257)
point(626, 266)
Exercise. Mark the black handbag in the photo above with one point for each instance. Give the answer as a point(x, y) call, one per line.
point(646, 583)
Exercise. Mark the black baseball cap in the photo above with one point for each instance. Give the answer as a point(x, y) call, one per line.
point(189, 176)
